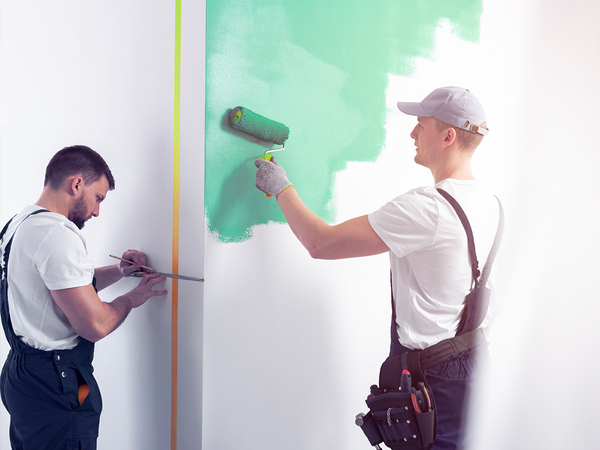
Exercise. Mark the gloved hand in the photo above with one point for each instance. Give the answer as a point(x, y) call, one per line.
point(271, 177)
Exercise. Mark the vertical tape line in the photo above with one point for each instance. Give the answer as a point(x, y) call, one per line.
point(175, 255)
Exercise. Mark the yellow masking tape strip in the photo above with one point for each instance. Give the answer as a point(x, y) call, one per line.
point(175, 255)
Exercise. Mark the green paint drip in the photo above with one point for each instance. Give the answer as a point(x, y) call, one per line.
point(322, 69)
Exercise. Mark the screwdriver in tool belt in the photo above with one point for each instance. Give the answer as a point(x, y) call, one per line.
point(405, 381)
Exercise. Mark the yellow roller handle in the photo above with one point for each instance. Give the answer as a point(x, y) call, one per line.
point(267, 157)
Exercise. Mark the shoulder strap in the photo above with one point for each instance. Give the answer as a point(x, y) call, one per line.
point(5, 228)
point(6, 252)
point(441, 351)
point(485, 274)
point(463, 218)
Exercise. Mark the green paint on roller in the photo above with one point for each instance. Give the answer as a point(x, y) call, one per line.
point(323, 66)
point(242, 119)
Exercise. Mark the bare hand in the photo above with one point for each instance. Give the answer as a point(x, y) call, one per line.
point(138, 258)
point(140, 294)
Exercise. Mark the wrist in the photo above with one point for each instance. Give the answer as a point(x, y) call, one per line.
point(284, 189)
point(119, 269)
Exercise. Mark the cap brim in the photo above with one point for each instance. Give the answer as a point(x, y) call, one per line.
point(413, 109)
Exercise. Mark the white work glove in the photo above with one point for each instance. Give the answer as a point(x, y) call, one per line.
point(271, 177)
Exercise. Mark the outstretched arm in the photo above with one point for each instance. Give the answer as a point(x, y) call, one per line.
point(93, 319)
point(349, 239)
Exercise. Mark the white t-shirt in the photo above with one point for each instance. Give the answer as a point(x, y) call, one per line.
point(429, 256)
point(48, 253)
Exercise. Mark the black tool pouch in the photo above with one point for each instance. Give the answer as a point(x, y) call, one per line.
point(402, 419)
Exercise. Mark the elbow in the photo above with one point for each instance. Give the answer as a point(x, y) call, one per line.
point(320, 243)
point(318, 251)
point(92, 337)
point(92, 333)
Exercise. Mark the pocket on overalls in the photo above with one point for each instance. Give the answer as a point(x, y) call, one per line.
point(86, 417)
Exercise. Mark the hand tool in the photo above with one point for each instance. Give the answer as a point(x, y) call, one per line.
point(426, 398)
point(242, 119)
point(168, 275)
point(131, 262)
point(405, 381)
point(151, 270)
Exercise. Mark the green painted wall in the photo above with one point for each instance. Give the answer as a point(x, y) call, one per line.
point(319, 67)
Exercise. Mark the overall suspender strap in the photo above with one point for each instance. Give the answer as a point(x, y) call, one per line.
point(485, 273)
point(4, 312)
point(441, 351)
point(467, 226)
point(9, 245)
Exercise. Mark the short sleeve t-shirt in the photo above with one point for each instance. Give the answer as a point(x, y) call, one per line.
point(48, 253)
point(429, 256)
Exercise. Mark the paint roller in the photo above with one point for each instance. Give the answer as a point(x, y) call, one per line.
point(242, 119)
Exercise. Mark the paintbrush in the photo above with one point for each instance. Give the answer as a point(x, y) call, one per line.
point(131, 262)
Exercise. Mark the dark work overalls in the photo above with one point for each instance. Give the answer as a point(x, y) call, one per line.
point(40, 389)
point(452, 380)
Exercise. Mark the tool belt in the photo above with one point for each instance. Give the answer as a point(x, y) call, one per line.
point(402, 411)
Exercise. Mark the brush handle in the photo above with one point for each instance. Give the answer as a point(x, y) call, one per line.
point(131, 262)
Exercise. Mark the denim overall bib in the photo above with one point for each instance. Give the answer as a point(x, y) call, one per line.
point(40, 389)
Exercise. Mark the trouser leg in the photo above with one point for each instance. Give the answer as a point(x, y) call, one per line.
point(44, 408)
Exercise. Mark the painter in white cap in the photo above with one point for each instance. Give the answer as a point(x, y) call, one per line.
point(456, 116)
point(430, 262)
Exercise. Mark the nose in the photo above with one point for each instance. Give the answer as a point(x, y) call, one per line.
point(415, 133)
point(96, 211)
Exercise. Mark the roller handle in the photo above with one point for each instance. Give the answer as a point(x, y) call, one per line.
point(267, 157)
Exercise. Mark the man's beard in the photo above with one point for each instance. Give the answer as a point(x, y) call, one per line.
point(78, 214)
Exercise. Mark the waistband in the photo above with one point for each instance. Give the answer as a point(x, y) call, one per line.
point(83, 353)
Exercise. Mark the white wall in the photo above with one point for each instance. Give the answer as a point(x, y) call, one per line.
point(292, 344)
point(102, 74)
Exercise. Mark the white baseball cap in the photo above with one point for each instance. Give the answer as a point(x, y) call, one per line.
point(453, 105)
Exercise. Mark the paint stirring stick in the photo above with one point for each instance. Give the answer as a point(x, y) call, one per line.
point(131, 262)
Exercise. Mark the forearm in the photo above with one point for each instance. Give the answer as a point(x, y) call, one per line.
point(309, 228)
point(350, 239)
point(110, 318)
point(90, 317)
point(93, 319)
point(105, 276)
point(116, 313)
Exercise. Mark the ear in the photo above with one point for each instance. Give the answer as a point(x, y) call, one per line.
point(76, 185)
point(449, 137)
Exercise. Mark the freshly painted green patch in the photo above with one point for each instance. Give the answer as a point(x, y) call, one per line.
point(319, 67)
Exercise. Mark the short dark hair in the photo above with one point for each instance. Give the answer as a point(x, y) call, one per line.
point(74, 160)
